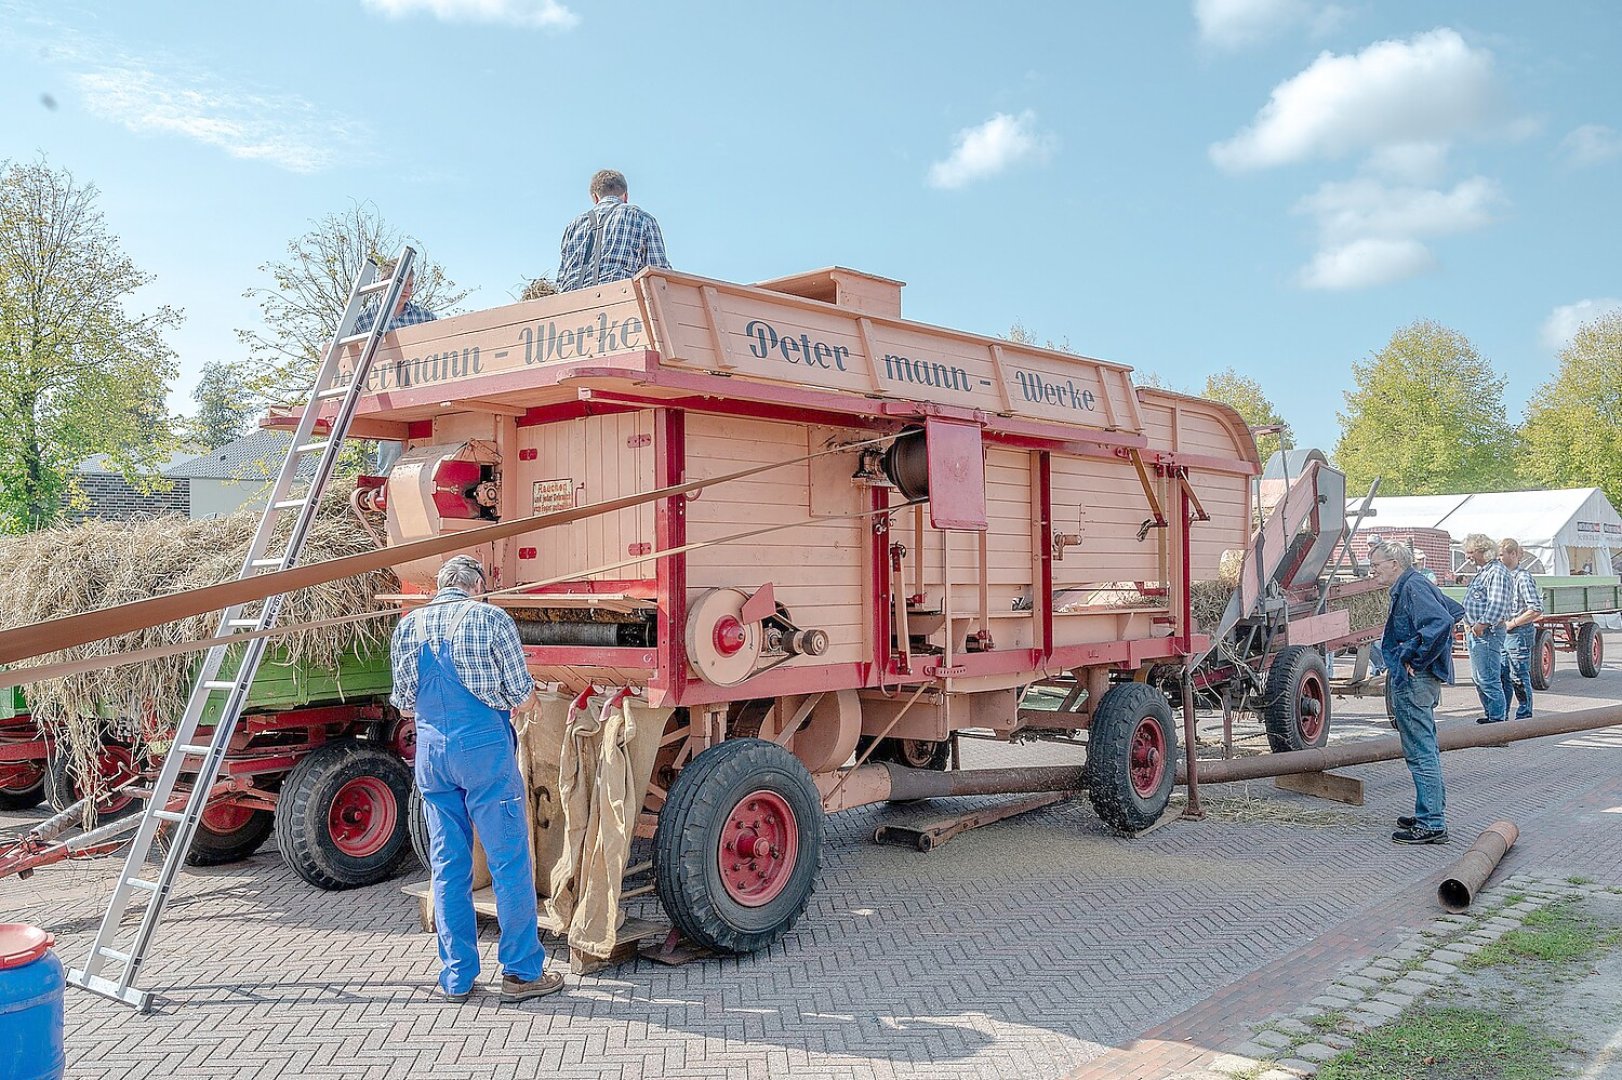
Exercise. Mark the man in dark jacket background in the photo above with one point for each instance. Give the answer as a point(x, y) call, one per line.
point(1418, 651)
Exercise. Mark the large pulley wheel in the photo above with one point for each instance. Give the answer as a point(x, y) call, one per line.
point(721, 646)
point(1297, 709)
point(341, 818)
point(1590, 650)
point(739, 845)
point(1542, 659)
point(1131, 756)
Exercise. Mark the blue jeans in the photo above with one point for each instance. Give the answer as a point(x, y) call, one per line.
point(1414, 703)
point(1487, 670)
point(1517, 678)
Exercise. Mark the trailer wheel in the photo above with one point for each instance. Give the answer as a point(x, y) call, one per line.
point(63, 786)
point(1131, 756)
point(341, 818)
point(739, 845)
point(1297, 710)
point(1542, 660)
point(417, 823)
point(1590, 650)
point(916, 753)
point(228, 833)
point(24, 788)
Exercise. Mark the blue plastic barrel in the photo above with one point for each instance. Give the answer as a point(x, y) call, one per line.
point(30, 1005)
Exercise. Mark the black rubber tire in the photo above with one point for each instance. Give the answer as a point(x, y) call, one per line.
point(210, 848)
point(302, 832)
point(687, 845)
point(916, 753)
point(24, 798)
point(1590, 650)
point(1108, 770)
point(1294, 670)
point(60, 790)
point(1542, 659)
point(417, 822)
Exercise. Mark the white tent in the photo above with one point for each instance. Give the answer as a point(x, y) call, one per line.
point(1567, 530)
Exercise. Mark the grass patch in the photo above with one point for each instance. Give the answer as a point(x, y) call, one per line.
point(1449, 1044)
point(1512, 898)
point(1327, 1022)
point(1559, 933)
point(1578, 879)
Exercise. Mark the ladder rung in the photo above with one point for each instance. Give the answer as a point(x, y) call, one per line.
point(219, 684)
point(332, 392)
point(260, 563)
point(194, 750)
point(288, 504)
point(311, 447)
point(169, 815)
point(243, 623)
point(142, 883)
point(380, 285)
point(354, 338)
point(113, 954)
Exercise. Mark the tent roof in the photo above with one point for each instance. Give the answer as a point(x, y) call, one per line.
point(1532, 517)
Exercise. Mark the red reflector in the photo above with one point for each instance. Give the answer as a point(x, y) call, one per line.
point(528, 455)
point(526, 553)
point(638, 549)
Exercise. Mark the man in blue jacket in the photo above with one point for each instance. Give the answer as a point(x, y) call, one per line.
point(1418, 651)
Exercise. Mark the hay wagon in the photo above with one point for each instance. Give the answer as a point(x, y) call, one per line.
point(1571, 606)
point(318, 759)
point(950, 521)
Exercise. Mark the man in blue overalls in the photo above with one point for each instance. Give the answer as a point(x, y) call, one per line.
point(459, 666)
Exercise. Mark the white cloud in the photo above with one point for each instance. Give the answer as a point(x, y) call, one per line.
point(983, 151)
point(1408, 163)
point(1370, 233)
point(1365, 263)
point(1564, 321)
point(1430, 89)
point(1591, 144)
point(534, 14)
point(1233, 24)
point(282, 129)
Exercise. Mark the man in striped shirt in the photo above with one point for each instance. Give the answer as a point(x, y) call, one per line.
point(1521, 630)
point(612, 240)
point(1489, 602)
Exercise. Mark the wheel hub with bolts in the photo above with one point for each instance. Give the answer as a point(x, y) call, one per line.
point(1148, 757)
point(759, 843)
point(362, 816)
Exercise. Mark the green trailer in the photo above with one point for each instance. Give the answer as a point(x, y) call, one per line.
point(319, 758)
point(1571, 607)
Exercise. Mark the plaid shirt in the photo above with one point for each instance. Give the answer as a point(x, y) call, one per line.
point(1491, 596)
point(1528, 597)
point(410, 315)
point(486, 653)
point(630, 240)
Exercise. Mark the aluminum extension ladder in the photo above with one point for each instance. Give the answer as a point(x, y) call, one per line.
point(185, 754)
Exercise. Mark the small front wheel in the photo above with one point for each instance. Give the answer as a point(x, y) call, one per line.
point(739, 845)
point(1590, 650)
point(1297, 710)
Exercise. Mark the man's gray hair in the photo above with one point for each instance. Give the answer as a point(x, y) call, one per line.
point(608, 182)
point(1397, 551)
point(1479, 542)
point(462, 572)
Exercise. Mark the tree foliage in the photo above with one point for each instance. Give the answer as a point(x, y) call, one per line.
point(1251, 402)
point(1427, 417)
point(79, 375)
point(1573, 431)
point(225, 406)
point(300, 311)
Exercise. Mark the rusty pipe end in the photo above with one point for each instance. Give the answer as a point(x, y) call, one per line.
point(1466, 876)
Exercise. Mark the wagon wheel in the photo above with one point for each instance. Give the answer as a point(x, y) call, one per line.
point(22, 785)
point(1131, 756)
point(932, 754)
point(738, 846)
point(116, 764)
point(1297, 710)
point(1590, 650)
point(228, 832)
point(1542, 659)
point(341, 821)
point(417, 826)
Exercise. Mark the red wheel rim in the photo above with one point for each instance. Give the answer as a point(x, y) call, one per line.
point(1546, 659)
point(362, 817)
point(1311, 705)
point(760, 844)
point(116, 765)
point(21, 777)
point(1147, 760)
point(405, 739)
point(1596, 651)
point(226, 817)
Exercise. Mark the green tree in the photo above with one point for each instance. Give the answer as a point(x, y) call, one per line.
point(310, 288)
point(79, 375)
point(1573, 431)
point(225, 406)
point(1427, 417)
point(1248, 399)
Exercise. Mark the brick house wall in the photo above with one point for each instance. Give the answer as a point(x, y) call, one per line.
point(108, 497)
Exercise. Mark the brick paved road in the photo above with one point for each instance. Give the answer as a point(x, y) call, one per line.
point(1037, 948)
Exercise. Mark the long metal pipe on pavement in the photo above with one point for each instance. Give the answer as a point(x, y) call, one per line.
point(908, 783)
point(1450, 736)
point(1466, 877)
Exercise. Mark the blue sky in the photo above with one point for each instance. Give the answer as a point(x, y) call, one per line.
point(1272, 185)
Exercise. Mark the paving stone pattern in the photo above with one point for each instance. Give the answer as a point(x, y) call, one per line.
point(1042, 947)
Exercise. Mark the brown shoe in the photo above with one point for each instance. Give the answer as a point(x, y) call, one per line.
point(515, 989)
